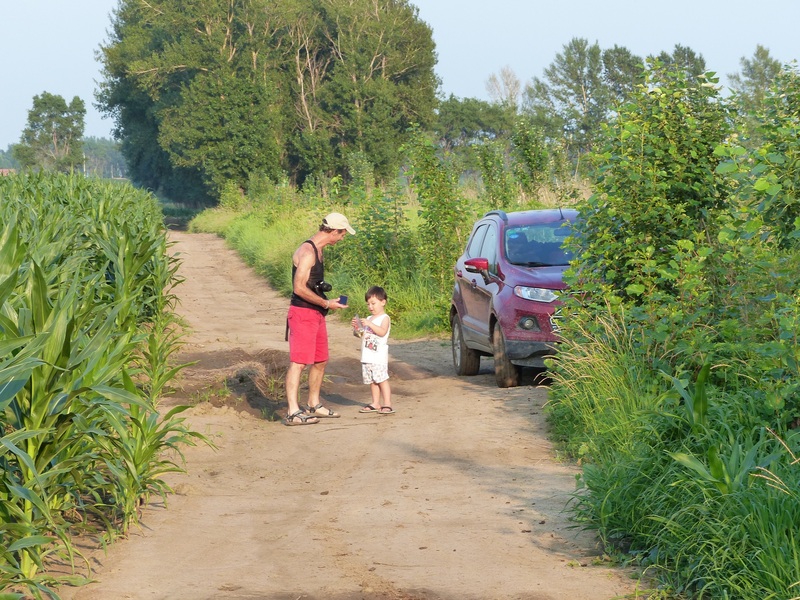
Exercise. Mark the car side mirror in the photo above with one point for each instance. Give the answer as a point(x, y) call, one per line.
point(477, 265)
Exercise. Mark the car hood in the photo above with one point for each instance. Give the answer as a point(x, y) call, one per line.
point(551, 278)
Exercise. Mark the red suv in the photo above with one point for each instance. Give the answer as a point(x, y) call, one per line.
point(506, 289)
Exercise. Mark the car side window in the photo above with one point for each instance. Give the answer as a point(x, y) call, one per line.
point(476, 243)
point(489, 248)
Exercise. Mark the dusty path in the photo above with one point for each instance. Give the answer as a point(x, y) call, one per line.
point(456, 496)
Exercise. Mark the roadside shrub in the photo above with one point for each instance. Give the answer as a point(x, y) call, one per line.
point(442, 230)
point(680, 352)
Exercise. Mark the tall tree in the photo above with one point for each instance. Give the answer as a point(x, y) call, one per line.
point(505, 89)
point(170, 137)
point(243, 112)
point(464, 121)
point(682, 59)
point(572, 100)
point(216, 90)
point(381, 79)
point(622, 72)
point(52, 138)
point(756, 76)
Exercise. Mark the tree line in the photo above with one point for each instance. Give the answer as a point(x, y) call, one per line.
point(98, 157)
point(53, 140)
point(213, 92)
point(310, 91)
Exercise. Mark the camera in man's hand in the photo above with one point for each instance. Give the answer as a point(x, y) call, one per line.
point(322, 286)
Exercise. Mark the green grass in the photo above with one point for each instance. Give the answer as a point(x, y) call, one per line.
point(677, 475)
point(266, 238)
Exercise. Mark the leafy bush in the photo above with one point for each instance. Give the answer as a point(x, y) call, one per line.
point(680, 350)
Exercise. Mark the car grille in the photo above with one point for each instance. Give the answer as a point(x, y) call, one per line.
point(555, 318)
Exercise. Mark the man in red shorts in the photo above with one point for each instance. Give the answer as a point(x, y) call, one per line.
point(308, 335)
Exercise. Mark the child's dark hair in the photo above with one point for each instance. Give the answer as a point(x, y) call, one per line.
point(376, 291)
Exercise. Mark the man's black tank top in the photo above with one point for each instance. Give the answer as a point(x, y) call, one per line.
point(316, 275)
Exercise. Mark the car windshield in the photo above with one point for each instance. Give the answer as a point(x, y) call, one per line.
point(538, 245)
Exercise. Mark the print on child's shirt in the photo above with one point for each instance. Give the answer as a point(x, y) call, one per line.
point(370, 342)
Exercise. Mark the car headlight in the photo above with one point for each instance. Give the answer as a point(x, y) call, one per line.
point(535, 294)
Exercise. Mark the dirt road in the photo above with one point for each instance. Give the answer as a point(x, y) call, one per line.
point(457, 496)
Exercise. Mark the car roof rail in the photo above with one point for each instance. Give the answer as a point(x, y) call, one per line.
point(500, 213)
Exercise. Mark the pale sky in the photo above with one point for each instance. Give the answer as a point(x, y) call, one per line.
point(49, 45)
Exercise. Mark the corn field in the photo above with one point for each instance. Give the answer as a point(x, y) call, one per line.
point(86, 333)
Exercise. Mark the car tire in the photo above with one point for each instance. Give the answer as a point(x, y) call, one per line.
point(506, 373)
point(465, 360)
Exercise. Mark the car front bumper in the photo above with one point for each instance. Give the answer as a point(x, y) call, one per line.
point(529, 354)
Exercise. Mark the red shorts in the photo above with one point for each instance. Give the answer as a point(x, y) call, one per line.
point(308, 336)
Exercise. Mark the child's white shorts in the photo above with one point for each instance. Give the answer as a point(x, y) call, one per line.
point(374, 373)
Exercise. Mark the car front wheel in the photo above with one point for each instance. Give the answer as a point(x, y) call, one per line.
point(465, 360)
point(506, 373)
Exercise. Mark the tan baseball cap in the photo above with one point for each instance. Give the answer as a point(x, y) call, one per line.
point(338, 221)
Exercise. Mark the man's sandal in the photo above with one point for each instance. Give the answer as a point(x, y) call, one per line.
point(369, 409)
point(300, 418)
point(322, 412)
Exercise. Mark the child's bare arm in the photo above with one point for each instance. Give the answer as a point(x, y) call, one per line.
point(379, 330)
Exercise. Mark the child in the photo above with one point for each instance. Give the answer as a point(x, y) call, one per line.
point(375, 351)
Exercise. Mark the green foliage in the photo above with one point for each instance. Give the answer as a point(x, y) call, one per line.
point(443, 230)
point(683, 60)
point(498, 179)
point(623, 71)
point(51, 139)
point(752, 84)
point(524, 171)
point(103, 158)
point(680, 260)
point(695, 398)
point(232, 196)
point(7, 160)
point(214, 91)
point(578, 93)
point(222, 102)
point(461, 122)
point(655, 186)
point(384, 236)
point(360, 172)
point(671, 475)
point(85, 308)
point(532, 164)
point(767, 175)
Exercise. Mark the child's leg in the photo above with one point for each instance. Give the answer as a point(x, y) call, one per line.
point(375, 390)
point(386, 392)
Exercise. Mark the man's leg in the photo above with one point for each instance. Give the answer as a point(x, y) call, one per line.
point(315, 375)
point(293, 385)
